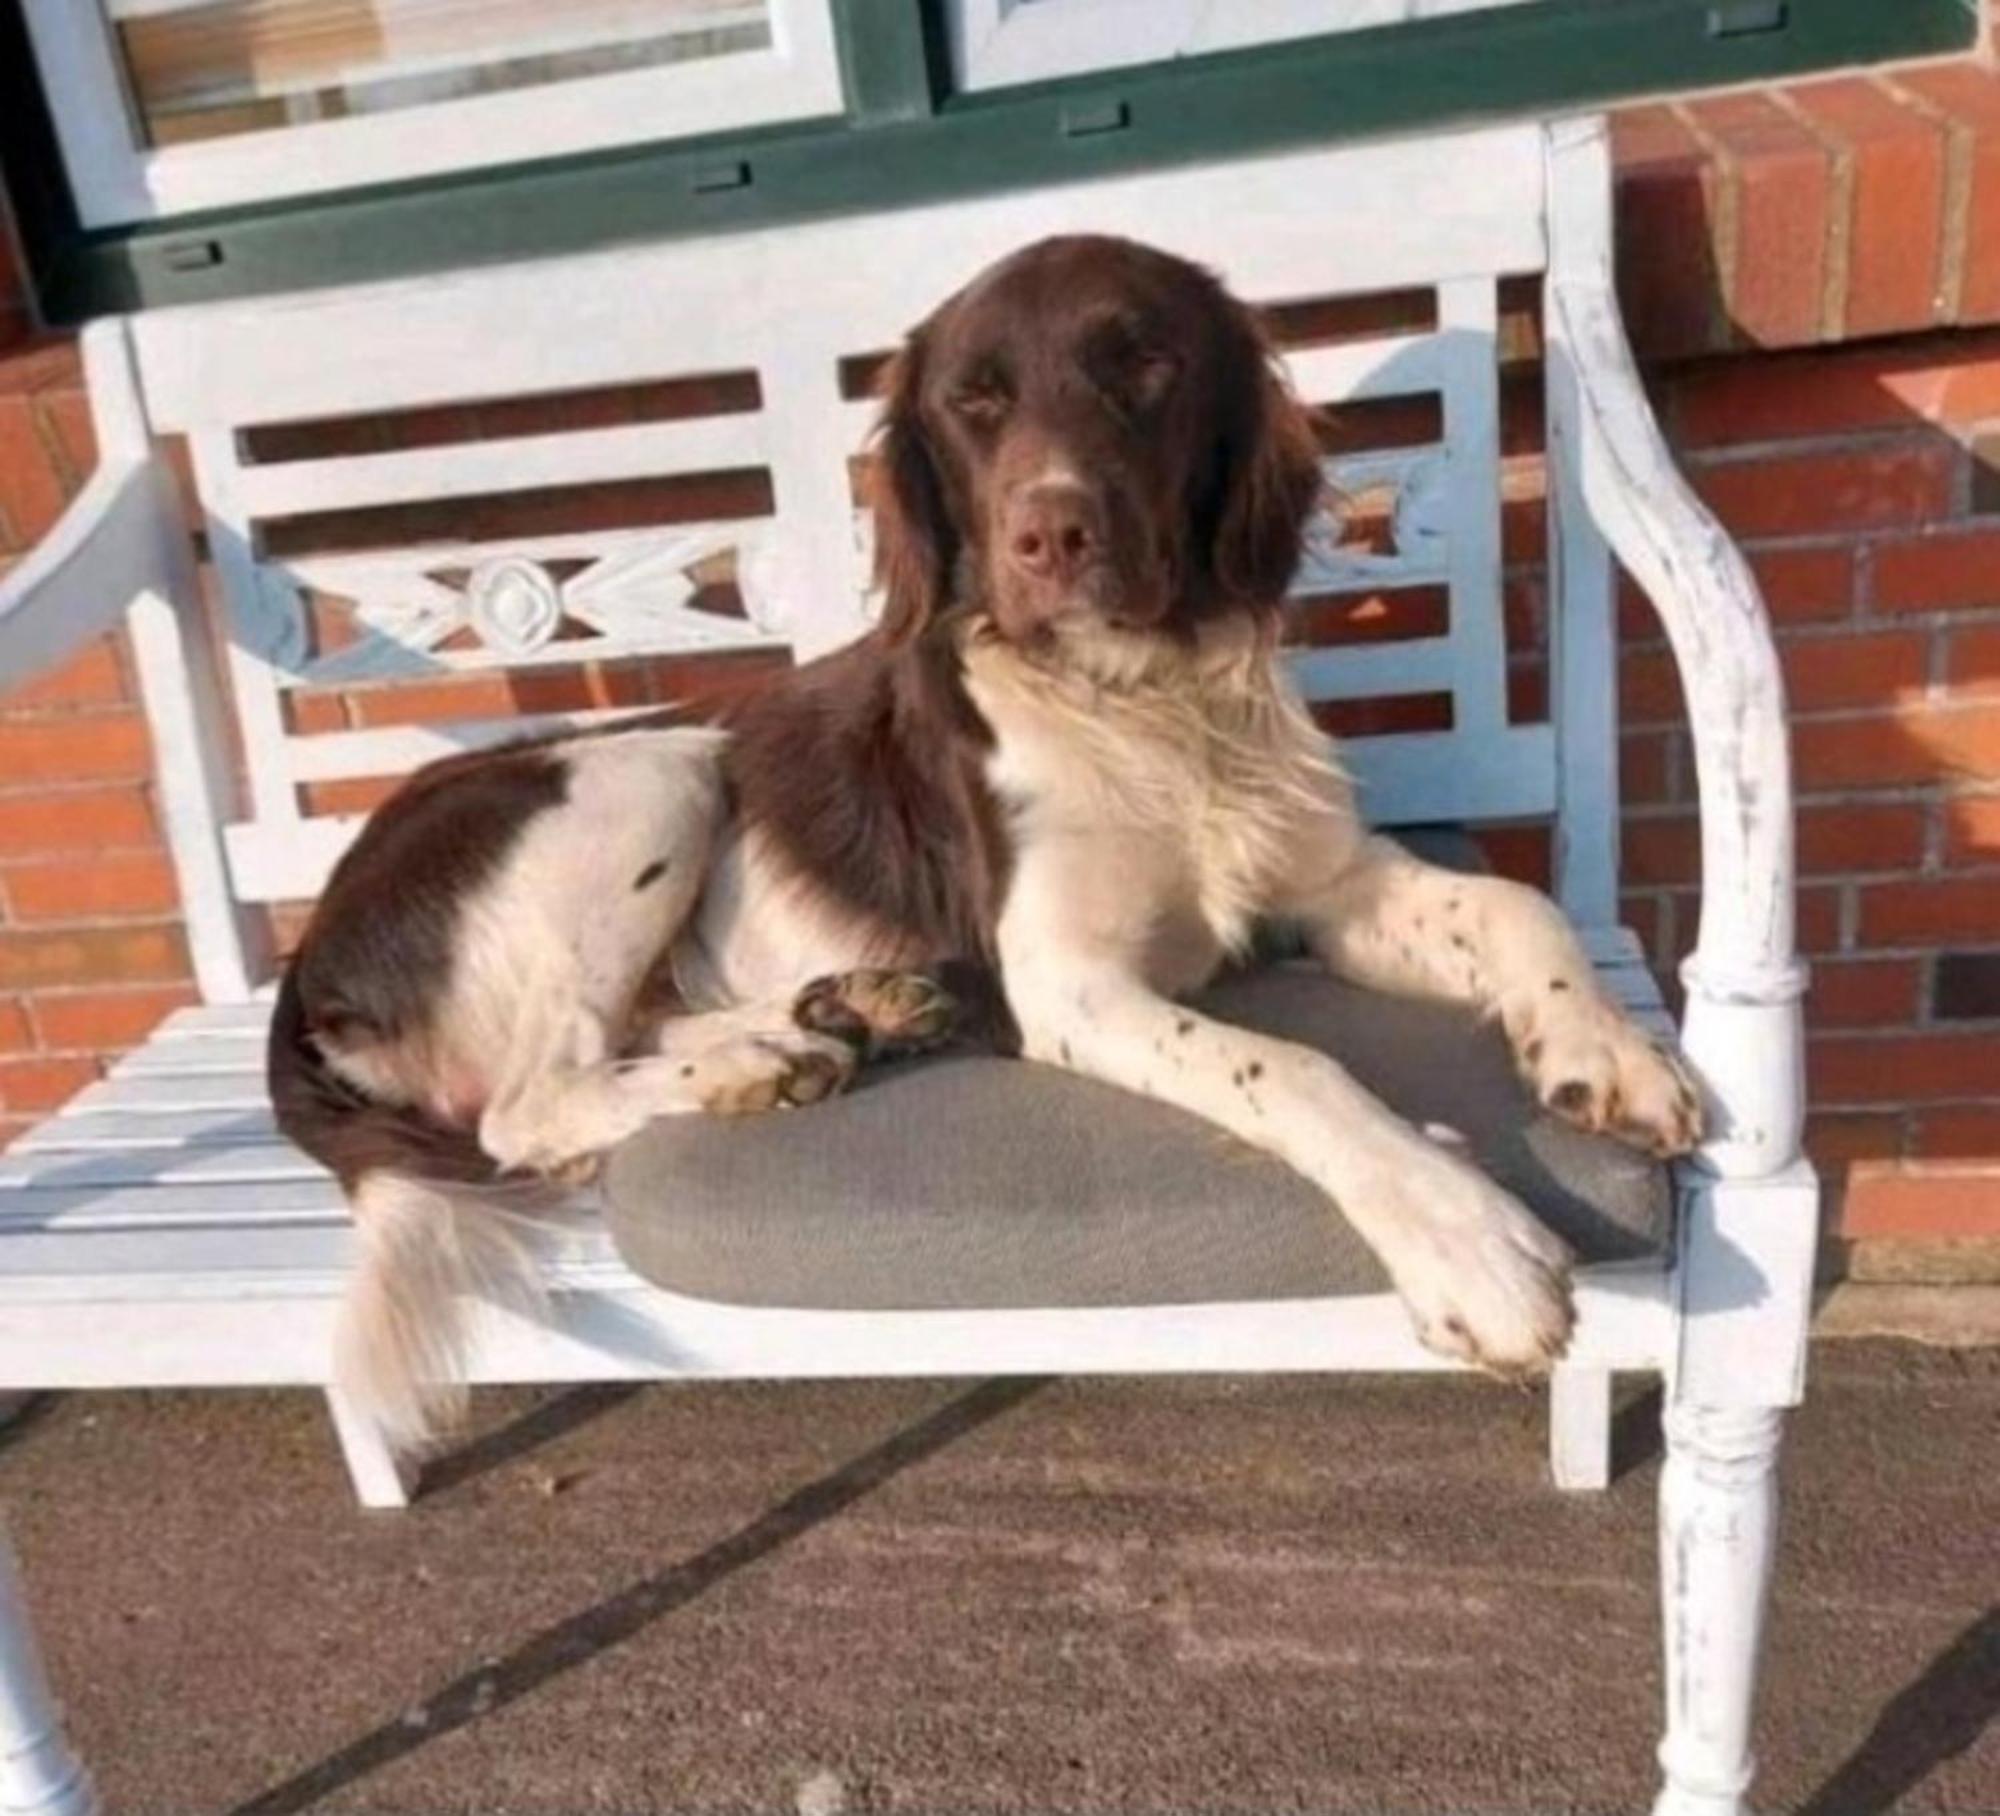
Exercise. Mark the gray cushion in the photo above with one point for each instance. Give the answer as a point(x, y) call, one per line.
point(969, 1181)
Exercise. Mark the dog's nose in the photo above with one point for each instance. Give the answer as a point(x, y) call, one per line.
point(1054, 532)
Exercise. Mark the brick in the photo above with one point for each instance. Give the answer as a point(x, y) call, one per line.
point(1895, 1068)
point(1855, 836)
point(1898, 484)
point(1972, 660)
point(1957, 1131)
point(1929, 910)
point(35, 1086)
point(1781, 179)
point(94, 676)
point(68, 433)
point(1954, 570)
point(1818, 910)
point(1972, 829)
point(1941, 1200)
point(1824, 674)
point(1527, 692)
point(1967, 984)
point(1843, 1137)
point(1986, 474)
point(128, 883)
point(16, 1036)
point(1805, 585)
point(81, 819)
point(1860, 993)
point(48, 362)
point(1649, 689)
point(347, 794)
point(1645, 914)
point(1524, 853)
point(1969, 97)
point(486, 696)
point(31, 494)
point(105, 1021)
point(1840, 1138)
point(308, 713)
point(1920, 743)
point(1668, 194)
point(1645, 767)
point(43, 957)
point(1664, 850)
point(104, 747)
point(1890, 160)
point(1793, 396)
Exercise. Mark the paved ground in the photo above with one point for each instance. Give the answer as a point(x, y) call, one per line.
point(1166, 1596)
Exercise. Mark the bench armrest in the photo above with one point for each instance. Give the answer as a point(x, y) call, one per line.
point(1744, 979)
point(104, 552)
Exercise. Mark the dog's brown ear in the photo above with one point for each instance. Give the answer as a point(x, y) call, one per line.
point(915, 545)
point(1269, 484)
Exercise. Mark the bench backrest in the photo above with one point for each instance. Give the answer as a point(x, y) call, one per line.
point(383, 513)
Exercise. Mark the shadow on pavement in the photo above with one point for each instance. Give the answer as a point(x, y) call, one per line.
point(552, 1419)
point(1928, 1722)
point(610, 1623)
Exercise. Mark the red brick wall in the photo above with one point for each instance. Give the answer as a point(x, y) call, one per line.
point(1814, 277)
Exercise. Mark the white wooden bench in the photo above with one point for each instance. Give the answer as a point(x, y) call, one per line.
point(158, 1232)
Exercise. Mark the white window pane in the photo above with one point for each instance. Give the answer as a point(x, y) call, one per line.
point(996, 43)
point(203, 69)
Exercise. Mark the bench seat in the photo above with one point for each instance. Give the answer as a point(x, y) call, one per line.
point(964, 1181)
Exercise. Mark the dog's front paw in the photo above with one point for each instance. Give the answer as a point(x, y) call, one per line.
point(1484, 1281)
point(769, 1072)
point(879, 1013)
point(1591, 1065)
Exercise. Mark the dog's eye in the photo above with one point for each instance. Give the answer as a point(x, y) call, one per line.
point(1152, 373)
point(981, 401)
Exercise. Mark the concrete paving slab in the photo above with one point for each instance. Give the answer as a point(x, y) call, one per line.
point(1103, 1596)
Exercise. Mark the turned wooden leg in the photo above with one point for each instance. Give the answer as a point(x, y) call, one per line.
point(1718, 1518)
point(1580, 1427)
point(381, 1478)
point(39, 1775)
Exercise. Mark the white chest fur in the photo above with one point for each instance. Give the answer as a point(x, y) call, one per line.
point(1187, 780)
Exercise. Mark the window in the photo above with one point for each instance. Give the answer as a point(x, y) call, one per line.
point(158, 152)
point(167, 106)
point(998, 43)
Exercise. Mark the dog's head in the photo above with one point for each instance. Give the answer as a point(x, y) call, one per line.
point(1090, 430)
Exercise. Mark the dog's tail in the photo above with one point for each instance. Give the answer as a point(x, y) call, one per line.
point(436, 1226)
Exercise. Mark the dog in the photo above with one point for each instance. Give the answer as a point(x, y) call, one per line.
point(1067, 755)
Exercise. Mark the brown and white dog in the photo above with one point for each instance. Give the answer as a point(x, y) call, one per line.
point(1069, 751)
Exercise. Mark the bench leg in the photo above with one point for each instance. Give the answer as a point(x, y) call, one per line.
point(39, 1775)
point(1718, 1518)
point(380, 1478)
point(1580, 1427)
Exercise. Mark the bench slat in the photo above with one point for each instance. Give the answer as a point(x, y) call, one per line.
point(257, 1162)
point(143, 1092)
point(95, 1129)
point(210, 1053)
point(215, 1021)
point(63, 1207)
point(583, 457)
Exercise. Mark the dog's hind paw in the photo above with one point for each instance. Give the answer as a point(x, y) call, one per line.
point(879, 1013)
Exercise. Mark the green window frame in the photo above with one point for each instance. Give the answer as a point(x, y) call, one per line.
point(906, 137)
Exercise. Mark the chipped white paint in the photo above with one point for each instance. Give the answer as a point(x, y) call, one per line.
point(1750, 1203)
point(206, 1251)
point(1718, 1524)
point(39, 1775)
